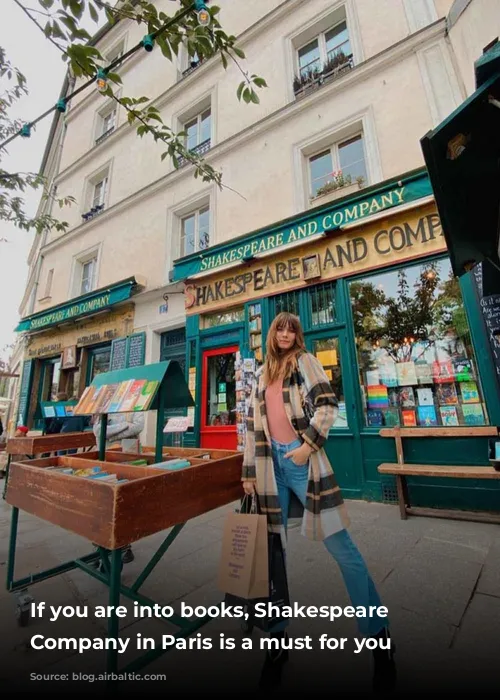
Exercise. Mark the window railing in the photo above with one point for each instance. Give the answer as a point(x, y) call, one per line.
point(92, 213)
point(200, 149)
point(193, 65)
point(104, 136)
point(314, 78)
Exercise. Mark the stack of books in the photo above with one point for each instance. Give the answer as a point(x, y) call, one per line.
point(172, 464)
point(89, 473)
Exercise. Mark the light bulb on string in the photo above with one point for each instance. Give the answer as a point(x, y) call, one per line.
point(26, 131)
point(202, 12)
point(148, 42)
point(102, 80)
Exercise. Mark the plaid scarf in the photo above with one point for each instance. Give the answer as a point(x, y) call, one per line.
point(325, 512)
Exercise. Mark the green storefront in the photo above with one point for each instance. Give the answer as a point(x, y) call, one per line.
point(403, 341)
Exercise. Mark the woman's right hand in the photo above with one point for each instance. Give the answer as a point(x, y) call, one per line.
point(248, 487)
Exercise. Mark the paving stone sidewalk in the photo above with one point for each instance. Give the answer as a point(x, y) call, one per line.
point(440, 580)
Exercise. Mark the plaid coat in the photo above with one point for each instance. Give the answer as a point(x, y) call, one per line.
point(325, 512)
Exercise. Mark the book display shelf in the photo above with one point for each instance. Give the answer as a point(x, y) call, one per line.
point(114, 498)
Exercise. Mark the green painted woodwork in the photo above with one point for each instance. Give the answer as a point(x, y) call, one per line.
point(84, 305)
point(168, 374)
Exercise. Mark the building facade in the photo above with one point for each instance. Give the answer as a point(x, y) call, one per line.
point(325, 210)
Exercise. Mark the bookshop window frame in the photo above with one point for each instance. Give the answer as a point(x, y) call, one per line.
point(440, 348)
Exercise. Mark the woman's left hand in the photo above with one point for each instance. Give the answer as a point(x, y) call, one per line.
point(300, 455)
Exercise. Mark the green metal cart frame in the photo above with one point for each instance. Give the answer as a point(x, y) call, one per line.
point(173, 392)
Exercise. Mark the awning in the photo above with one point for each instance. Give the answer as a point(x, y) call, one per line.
point(463, 161)
point(86, 305)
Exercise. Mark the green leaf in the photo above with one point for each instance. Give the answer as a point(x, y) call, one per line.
point(115, 78)
point(46, 4)
point(260, 82)
point(224, 60)
point(238, 52)
point(246, 95)
point(93, 13)
point(254, 97)
point(240, 90)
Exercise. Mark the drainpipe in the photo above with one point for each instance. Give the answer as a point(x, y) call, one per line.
point(50, 208)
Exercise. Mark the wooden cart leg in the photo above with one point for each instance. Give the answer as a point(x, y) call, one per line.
point(114, 600)
point(402, 495)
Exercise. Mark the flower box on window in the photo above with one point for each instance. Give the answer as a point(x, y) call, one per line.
point(339, 186)
point(314, 79)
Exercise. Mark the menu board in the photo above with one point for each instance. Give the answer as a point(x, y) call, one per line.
point(118, 354)
point(490, 312)
point(128, 352)
point(136, 350)
point(120, 397)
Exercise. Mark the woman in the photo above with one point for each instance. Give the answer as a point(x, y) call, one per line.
point(292, 408)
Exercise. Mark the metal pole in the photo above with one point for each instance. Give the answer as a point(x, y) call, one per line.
point(102, 437)
point(12, 547)
point(114, 601)
point(159, 423)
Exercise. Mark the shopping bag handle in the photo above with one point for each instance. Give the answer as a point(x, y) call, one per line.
point(253, 507)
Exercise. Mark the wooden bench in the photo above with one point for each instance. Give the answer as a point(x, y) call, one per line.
point(401, 470)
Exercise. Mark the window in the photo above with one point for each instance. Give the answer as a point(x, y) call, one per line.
point(106, 124)
point(337, 166)
point(48, 283)
point(198, 132)
point(88, 275)
point(99, 196)
point(322, 51)
point(325, 51)
point(322, 303)
point(195, 231)
point(96, 194)
point(420, 13)
point(415, 356)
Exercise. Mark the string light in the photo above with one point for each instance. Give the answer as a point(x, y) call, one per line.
point(148, 42)
point(100, 78)
point(203, 13)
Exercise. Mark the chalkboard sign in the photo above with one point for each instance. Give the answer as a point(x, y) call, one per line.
point(490, 311)
point(128, 352)
point(24, 392)
point(136, 350)
point(118, 354)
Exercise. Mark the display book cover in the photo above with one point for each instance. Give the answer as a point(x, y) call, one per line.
point(122, 397)
point(383, 403)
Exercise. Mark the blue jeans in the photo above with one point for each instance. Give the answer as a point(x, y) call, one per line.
point(360, 586)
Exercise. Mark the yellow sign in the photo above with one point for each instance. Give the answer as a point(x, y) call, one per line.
point(100, 329)
point(376, 245)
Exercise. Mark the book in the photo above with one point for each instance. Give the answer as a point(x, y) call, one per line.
point(449, 415)
point(427, 416)
point(406, 373)
point(469, 392)
point(377, 396)
point(425, 397)
point(446, 394)
point(473, 414)
point(409, 418)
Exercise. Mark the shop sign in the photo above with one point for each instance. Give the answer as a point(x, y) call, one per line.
point(303, 228)
point(101, 329)
point(370, 247)
point(92, 304)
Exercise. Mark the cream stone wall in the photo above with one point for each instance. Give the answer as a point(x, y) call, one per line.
point(403, 83)
point(476, 27)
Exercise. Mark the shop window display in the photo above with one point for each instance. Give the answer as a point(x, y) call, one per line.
point(415, 356)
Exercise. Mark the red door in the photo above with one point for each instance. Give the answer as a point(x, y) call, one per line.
point(218, 395)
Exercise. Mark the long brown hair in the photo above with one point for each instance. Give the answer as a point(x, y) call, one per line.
point(278, 364)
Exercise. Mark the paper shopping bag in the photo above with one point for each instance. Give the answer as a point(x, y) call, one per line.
point(243, 567)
